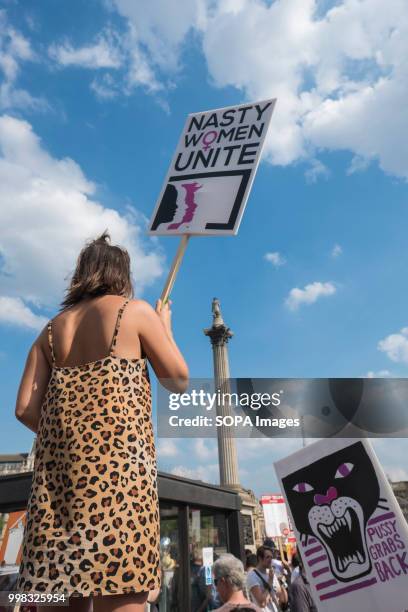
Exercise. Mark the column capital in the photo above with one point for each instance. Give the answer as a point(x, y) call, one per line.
point(219, 333)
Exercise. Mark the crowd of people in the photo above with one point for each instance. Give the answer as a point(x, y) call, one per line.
point(267, 583)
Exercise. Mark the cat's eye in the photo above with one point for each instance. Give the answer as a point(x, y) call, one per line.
point(303, 487)
point(344, 470)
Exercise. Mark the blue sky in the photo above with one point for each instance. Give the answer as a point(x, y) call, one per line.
point(92, 102)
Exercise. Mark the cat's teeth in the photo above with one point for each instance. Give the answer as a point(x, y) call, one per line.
point(343, 521)
point(360, 557)
point(331, 530)
point(347, 516)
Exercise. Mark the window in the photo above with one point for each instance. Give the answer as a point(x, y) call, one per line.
point(207, 528)
point(169, 600)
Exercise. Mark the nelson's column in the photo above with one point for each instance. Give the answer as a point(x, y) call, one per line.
point(251, 512)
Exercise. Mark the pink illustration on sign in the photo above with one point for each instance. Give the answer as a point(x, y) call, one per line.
point(190, 189)
point(206, 141)
point(330, 496)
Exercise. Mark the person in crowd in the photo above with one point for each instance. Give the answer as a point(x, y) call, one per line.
point(281, 568)
point(277, 563)
point(251, 563)
point(93, 518)
point(229, 580)
point(295, 566)
point(209, 597)
point(263, 586)
point(300, 594)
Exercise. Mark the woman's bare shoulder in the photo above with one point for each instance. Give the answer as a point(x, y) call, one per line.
point(140, 307)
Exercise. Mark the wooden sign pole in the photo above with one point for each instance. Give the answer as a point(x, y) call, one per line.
point(280, 546)
point(174, 268)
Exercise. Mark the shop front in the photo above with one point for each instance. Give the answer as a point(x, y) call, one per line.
point(193, 516)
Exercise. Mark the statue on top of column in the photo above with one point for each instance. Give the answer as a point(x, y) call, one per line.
point(216, 309)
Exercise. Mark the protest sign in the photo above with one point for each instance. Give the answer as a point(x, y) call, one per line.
point(351, 532)
point(208, 560)
point(275, 515)
point(211, 173)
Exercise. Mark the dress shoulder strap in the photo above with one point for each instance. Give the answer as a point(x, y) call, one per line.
point(50, 342)
point(115, 333)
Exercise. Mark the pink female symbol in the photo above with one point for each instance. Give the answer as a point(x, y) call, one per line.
point(213, 135)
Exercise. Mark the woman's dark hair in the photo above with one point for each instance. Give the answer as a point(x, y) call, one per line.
point(251, 561)
point(296, 559)
point(101, 269)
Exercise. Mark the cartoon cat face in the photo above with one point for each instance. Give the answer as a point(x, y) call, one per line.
point(332, 500)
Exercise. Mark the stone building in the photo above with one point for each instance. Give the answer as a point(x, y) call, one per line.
point(401, 493)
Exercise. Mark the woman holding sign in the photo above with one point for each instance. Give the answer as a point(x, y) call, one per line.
point(92, 523)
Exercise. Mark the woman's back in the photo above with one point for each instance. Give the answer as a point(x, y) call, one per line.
point(84, 332)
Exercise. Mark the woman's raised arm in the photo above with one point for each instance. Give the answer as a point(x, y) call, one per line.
point(157, 340)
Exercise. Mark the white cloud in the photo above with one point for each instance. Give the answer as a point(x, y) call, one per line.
point(47, 212)
point(339, 77)
point(14, 49)
point(103, 53)
point(105, 88)
point(379, 374)
point(167, 448)
point(336, 251)
point(315, 171)
point(275, 259)
point(358, 164)
point(339, 74)
point(111, 51)
point(202, 451)
point(15, 312)
point(208, 473)
point(309, 294)
point(396, 474)
point(395, 346)
point(148, 49)
point(161, 27)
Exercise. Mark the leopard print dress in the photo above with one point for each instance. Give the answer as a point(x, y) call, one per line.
point(92, 518)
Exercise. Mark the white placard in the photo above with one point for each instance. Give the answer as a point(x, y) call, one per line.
point(351, 532)
point(208, 560)
point(211, 174)
point(276, 516)
point(208, 555)
point(15, 538)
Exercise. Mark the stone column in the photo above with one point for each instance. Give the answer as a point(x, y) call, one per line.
point(219, 335)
